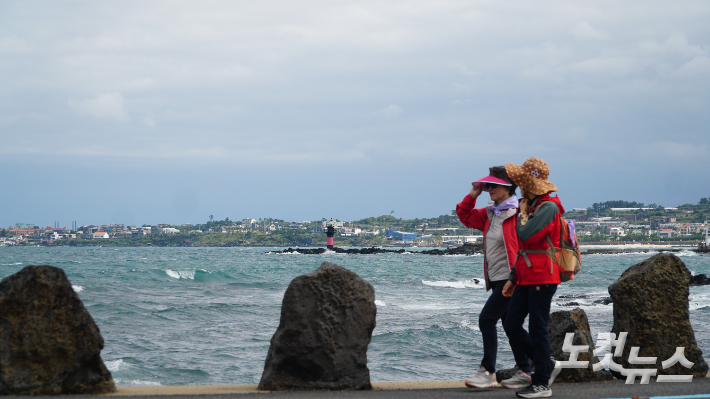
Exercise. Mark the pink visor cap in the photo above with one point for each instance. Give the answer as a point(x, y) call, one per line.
point(481, 183)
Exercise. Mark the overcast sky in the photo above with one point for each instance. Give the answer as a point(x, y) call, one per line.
point(145, 112)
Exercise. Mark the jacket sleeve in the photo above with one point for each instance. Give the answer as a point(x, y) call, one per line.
point(513, 277)
point(470, 217)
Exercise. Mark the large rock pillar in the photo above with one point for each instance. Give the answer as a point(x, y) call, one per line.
point(651, 305)
point(49, 344)
point(327, 318)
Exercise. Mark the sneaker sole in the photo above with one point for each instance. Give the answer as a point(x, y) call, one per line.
point(545, 395)
point(535, 395)
point(510, 386)
point(468, 384)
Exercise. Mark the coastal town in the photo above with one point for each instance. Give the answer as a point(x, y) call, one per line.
point(601, 223)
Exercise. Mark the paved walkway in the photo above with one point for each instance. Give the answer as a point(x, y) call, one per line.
point(697, 389)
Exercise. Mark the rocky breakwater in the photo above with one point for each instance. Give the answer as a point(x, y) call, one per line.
point(327, 318)
point(466, 249)
point(651, 305)
point(699, 279)
point(49, 344)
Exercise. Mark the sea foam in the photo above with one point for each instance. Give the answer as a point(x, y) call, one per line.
point(181, 274)
point(470, 283)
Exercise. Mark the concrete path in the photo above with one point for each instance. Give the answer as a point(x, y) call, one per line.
point(697, 389)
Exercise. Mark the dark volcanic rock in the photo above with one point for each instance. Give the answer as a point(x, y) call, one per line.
point(327, 318)
point(305, 251)
point(504, 374)
point(651, 304)
point(574, 321)
point(570, 304)
point(700, 279)
point(49, 344)
point(603, 301)
point(466, 249)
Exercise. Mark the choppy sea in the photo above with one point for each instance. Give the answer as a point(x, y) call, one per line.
point(193, 316)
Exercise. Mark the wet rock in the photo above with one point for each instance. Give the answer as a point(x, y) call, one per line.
point(327, 318)
point(700, 279)
point(574, 321)
point(49, 344)
point(651, 305)
point(603, 301)
point(466, 249)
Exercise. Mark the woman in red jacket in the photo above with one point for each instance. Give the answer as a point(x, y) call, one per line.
point(535, 277)
point(500, 247)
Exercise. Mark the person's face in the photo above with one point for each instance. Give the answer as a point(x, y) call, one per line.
point(498, 193)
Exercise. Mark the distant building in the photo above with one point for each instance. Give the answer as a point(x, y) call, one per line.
point(351, 232)
point(100, 234)
point(400, 235)
point(615, 231)
point(666, 233)
point(460, 239)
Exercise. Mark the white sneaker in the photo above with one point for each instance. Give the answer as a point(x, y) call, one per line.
point(521, 379)
point(482, 379)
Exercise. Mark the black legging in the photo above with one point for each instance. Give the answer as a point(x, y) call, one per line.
point(495, 309)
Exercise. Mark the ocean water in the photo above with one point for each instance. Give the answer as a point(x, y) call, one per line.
point(179, 316)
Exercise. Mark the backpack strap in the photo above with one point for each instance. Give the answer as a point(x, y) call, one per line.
point(551, 253)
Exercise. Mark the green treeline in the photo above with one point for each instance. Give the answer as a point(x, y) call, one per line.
point(278, 233)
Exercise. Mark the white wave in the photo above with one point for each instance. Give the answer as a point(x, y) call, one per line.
point(470, 283)
point(380, 303)
point(432, 306)
point(468, 325)
point(172, 274)
point(686, 252)
point(698, 300)
point(115, 365)
point(77, 288)
point(649, 254)
point(181, 274)
point(127, 382)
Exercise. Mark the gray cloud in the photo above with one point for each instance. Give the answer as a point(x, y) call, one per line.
point(430, 87)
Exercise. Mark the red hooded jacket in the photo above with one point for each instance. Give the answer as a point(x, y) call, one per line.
point(541, 269)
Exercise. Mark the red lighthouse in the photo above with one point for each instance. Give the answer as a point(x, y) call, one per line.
point(330, 232)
